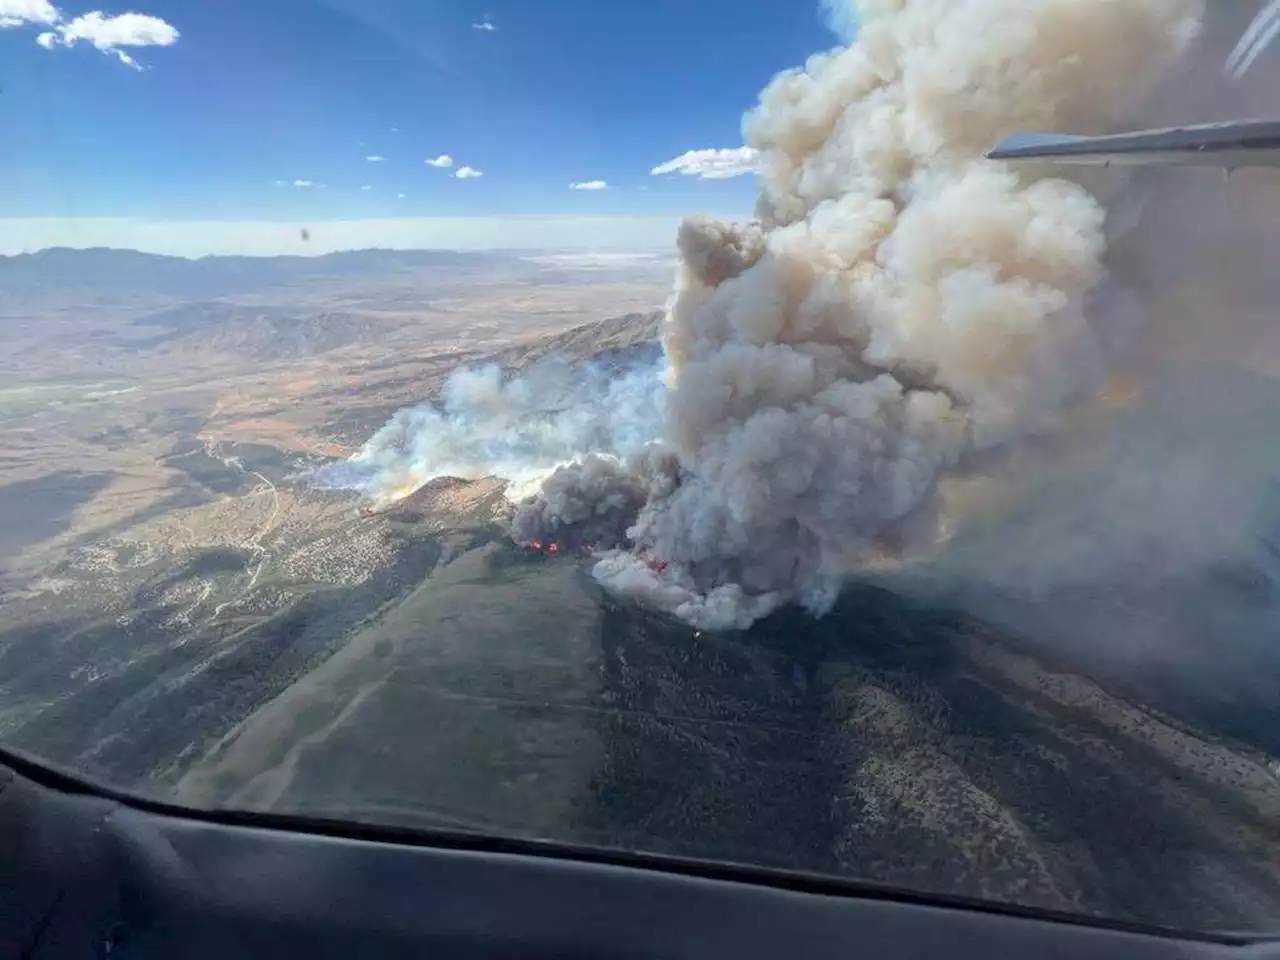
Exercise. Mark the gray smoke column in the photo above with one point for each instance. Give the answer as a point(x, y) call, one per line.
point(592, 502)
point(1144, 543)
point(898, 306)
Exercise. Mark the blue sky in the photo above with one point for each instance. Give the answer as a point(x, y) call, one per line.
point(218, 121)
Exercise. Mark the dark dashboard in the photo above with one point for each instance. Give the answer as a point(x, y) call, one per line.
point(92, 873)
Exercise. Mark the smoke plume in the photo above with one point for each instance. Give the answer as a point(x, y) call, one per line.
point(592, 502)
point(520, 428)
point(1144, 542)
point(898, 308)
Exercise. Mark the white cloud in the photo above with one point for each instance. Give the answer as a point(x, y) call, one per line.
point(365, 187)
point(395, 129)
point(486, 25)
point(374, 158)
point(400, 196)
point(444, 160)
point(14, 13)
point(711, 164)
point(589, 185)
point(468, 173)
point(303, 183)
point(108, 34)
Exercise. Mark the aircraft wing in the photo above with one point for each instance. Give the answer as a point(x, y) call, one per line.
point(1236, 143)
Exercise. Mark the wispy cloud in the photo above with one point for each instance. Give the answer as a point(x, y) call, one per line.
point(14, 13)
point(711, 164)
point(365, 187)
point(374, 158)
point(109, 34)
point(400, 196)
point(487, 25)
point(300, 183)
point(395, 129)
point(589, 185)
point(444, 161)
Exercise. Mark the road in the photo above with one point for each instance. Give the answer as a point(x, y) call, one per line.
point(254, 543)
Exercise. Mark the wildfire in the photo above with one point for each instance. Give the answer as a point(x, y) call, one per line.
point(655, 564)
point(553, 547)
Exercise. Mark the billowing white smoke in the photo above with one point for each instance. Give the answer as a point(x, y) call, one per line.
point(899, 304)
point(520, 428)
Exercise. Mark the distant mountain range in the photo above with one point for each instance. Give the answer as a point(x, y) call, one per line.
point(103, 273)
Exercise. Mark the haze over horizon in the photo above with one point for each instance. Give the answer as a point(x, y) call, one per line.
point(196, 238)
point(402, 125)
